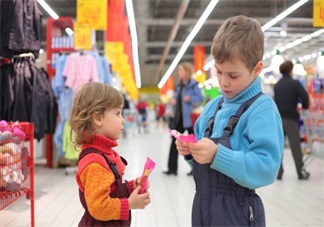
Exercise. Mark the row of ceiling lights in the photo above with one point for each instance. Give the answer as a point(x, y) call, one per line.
point(195, 30)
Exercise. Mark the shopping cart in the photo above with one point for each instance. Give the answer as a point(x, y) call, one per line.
point(131, 125)
point(312, 132)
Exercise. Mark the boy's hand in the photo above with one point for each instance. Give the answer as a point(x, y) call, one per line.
point(203, 151)
point(182, 148)
point(138, 201)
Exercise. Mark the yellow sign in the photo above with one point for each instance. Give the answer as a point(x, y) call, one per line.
point(113, 50)
point(93, 12)
point(82, 36)
point(318, 13)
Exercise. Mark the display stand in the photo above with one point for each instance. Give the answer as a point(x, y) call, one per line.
point(17, 165)
point(56, 43)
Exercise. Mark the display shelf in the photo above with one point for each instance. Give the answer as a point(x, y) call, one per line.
point(17, 164)
point(56, 43)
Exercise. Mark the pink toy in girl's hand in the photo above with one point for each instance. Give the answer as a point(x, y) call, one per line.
point(183, 138)
point(148, 167)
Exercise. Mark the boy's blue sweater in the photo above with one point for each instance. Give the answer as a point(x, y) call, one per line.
point(257, 140)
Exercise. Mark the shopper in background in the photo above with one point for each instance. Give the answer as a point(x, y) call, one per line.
point(287, 93)
point(187, 96)
point(141, 107)
point(125, 113)
point(160, 114)
point(239, 147)
point(97, 122)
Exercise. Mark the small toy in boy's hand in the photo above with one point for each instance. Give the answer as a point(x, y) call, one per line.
point(148, 167)
point(183, 138)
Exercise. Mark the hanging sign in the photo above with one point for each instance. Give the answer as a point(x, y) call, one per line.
point(93, 12)
point(318, 13)
point(82, 36)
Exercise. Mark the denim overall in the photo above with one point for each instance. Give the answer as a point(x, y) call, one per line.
point(121, 191)
point(219, 201)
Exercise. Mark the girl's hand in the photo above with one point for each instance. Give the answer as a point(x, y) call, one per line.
point(136, 182)
point(138, 201)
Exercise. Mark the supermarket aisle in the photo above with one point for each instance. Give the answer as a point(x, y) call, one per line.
point(288, 202)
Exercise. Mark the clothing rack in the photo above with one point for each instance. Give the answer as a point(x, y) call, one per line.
point(24, 55)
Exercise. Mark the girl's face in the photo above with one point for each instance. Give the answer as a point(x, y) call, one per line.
point(110, 124)
point(233, 76)
point(183, 74)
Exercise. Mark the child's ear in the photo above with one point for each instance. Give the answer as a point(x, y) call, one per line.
point(258, 68)
point(97, 119)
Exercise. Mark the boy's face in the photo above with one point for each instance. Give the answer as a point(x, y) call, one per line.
point(234, 76)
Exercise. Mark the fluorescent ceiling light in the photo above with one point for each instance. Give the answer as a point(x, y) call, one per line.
point(208, 65)
point(269, 25)
point(132, 27)
point(69, 31)
point(283, 14)
point(294, 43)
point(48, 9)
point(187, 42)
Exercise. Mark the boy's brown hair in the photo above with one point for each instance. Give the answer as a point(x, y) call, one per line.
point(239, 37)
point(92, 100)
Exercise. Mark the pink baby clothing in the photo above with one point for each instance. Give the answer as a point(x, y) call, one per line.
point(79, 69)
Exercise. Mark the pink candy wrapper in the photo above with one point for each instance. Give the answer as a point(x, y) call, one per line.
point(148, 167)
point(183, 138)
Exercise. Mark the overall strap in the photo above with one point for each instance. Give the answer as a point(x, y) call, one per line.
point(210, 123)
point(111, 165)
point(232, 122)
point(233, 119)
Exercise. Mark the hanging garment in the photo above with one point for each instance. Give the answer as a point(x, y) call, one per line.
point(21, 25)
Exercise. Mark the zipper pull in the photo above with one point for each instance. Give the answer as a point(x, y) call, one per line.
point(251, 214)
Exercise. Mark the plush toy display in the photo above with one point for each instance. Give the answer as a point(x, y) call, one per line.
point(11, 168)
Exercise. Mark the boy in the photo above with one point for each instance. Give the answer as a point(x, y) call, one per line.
point(234, 156)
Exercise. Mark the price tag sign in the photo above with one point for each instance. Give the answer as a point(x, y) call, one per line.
point(82, 36)
point(93, 12)
point(318, 13)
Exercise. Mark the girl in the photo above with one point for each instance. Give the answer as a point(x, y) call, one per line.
point(97, 123)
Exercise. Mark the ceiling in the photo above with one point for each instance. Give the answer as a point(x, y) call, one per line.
point(155, 21)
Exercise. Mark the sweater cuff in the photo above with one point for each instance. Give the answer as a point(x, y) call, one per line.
point(131, 185)
point(223, 159)
point(124, 209)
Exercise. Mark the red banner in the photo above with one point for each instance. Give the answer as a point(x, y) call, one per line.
point(199, 57)
point(115, 20)
point(169, 85)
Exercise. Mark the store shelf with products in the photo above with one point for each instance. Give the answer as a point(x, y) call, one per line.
point(57, 41)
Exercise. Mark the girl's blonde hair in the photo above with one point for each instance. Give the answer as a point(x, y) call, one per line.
point(93, 99)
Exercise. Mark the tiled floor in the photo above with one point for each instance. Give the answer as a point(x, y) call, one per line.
point(289, 202)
